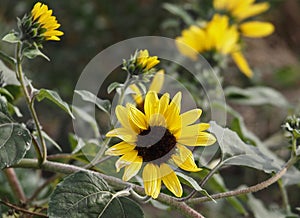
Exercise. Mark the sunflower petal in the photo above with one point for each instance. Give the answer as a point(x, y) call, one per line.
point(257, 29)
point(194, 130)
point(190, 117)
point(242, 64)
point(138, 98)
point(122, 133)
point(137, 117)
point(157, 81)
point(119, 149)
point(170, 180)
point(126, 159)
point(132, 169)
point(151, 104)
point(253, 10)
point(202, 139)
point(152, 180)
point(185, 159)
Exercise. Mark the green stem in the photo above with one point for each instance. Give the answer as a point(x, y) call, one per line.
point(118, 183)
point(247, 190)
point(285, 199)
point(20, 75)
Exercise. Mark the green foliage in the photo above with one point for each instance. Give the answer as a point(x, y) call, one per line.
point(85, 194)
point(55, 98)
point(15, 139)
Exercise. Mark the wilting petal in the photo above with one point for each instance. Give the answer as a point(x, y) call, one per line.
point(170, 180)
point(242, 64)
point(257, 29)
point(126, 159)
point(132, 169)
point(185, 159)
point(190, 117)
point(119, 149)
point(152, 180)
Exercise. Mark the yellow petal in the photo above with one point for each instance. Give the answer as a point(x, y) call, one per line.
point(152, 180)
point(185, 159)
point(242, 64)
point(253, 10)
point(151, 104)
point(173, 118)
point(132, 169)
point(170, 180)
point(157, 81)
point(138, 97)
point(126, 159)
point(137, 117)
point(124, 134)
point(190, 117)
point(257, 29)
point(194, 130)
point(119, 149)
point(202, 139)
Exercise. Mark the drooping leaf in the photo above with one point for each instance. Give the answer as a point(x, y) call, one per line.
point(15, 141)
point(237, 152)
point(256, 96)
point(55, 98)
point(33, 52)
point(103, 105)
point(85, 194)
point(194, 184)
point(179, 11)
point(5, 92)
point(113, 86)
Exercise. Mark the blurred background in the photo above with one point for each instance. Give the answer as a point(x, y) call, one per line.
point(90, 26)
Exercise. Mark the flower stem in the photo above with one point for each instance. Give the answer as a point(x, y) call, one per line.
point(20, 75)
point(15, 184)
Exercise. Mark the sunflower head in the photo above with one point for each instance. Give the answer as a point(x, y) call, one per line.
point(39, 26)
point(158, 139)
point(140, 63)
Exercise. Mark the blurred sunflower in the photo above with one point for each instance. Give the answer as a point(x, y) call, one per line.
point(157, 138)
point(217, 36)
point(240, 10)
point(41, 25)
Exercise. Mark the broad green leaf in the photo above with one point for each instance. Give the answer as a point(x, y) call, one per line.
point(11, 38)
point(256, 96)
point(194, 184)
point(179, 11)
point(113, 86)
point(103, 105)
point(87, 195)
point(237, 152)
point(15, 141)
point(33, 52)
point(55, 98)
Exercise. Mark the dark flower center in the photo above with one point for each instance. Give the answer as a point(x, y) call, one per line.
point(155, 143)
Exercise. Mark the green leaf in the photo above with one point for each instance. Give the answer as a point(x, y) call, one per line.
point(85, 194)
point(51, 141)
point(15, 141)
point(103, 105)
point(194, 184)
point(5, 92)
point(11, 38)
point(33, 52)
point(113, 86)
point(7, 58)
point(55, 98)
point(256, 96)
point(236, 152)
point(179, 11)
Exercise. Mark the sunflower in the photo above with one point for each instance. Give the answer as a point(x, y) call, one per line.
point(157, 139)
point(216, 36)
point(240, 10)
point(46, 22)
point(144, 61)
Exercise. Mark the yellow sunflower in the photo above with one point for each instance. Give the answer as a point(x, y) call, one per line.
point(145, 61)
point(47, 23)
point(216, 36)
point(157, 138)
point(240, 10)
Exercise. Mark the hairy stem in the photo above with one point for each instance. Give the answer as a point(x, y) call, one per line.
point(20, 75)
point(247, 190)
point(118, 183)
point(15, 184)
